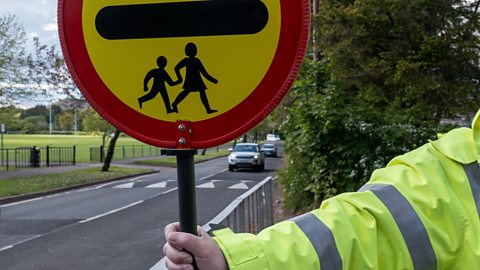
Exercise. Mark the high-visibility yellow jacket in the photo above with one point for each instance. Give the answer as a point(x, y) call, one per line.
point(420, 212)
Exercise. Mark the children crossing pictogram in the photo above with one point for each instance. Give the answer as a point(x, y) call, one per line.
point(160, 77)
point(222, 66)
point(193, 78)
point(193, 82)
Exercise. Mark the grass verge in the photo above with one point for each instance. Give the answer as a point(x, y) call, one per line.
point(172, 161)
point(40, 183)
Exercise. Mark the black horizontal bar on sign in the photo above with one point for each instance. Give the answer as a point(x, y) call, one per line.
point(182, 19)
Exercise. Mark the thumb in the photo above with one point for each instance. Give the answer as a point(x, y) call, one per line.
point(189, 242)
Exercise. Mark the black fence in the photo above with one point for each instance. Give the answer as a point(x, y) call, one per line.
point(97, 154)
point(34, 157)
point(59, 156)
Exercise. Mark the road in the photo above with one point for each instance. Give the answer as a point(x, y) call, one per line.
point(116, 225)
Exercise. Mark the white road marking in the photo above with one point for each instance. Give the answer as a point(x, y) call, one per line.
point(207, 185)
point(6, 247)
point(26, 201)
point(20, 242)
point(158, 185)
point(238, 186)
point(210, 184)
point(126, 185)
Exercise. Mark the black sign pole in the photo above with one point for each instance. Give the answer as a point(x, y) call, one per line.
point(187, 200)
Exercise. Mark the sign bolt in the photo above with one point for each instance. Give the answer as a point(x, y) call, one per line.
point(182, 127)
point(182, 141)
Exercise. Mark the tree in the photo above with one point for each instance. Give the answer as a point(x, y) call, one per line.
point(93, 122)
point(36, 111)
point(110, 151)
point(419, 58)
point(34, 124)
point(66, 121)
point(389, 70)
point(11, 117)
point(49, 71)
point(12, 61)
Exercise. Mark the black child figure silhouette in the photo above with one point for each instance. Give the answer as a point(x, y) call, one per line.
point(193, 78)
point(160, 77)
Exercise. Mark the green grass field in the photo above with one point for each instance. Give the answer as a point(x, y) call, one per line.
point(82, 143)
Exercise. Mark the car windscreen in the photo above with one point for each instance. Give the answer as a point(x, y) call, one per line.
point(245, 148)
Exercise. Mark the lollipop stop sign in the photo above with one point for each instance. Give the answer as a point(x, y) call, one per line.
point(184, 75)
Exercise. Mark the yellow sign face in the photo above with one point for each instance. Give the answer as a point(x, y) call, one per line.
point(191, 78)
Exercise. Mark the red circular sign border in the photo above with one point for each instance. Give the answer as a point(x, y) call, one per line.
point(286, 64)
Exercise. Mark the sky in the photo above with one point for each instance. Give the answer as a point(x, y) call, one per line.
point(39, 18)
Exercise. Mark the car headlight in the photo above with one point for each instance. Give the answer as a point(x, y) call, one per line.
point(255, 157)
point(232, 156)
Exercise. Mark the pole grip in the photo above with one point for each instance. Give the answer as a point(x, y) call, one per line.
point(187, 200)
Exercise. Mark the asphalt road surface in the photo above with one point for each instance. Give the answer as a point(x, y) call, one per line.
point(116, 225)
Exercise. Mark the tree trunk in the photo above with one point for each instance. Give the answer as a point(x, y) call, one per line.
point(110, 151)
point(255, 137)
point(204, 152)
point(315, 9)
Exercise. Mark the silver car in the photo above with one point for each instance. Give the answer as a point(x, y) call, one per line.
point(269, 149)
point(246, 155)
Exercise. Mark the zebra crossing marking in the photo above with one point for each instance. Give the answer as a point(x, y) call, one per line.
point(126, 185)
point(208, 185)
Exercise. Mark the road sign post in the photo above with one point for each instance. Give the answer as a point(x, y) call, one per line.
point(187, 202)
point(2, 131)
point(184, 74)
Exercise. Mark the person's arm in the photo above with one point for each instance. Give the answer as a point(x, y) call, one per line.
point(208, 255)
point(205, 74)
point(148, 77)
point(417, 213)
point(169, 80)
point(178, 67)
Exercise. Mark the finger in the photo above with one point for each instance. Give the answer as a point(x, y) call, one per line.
point(172, 227)
point(197, 245)
point(173, 266)
point(177, 256)
point(201, 232)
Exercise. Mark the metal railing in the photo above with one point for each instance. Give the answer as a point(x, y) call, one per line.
point(5, 155)
point(250, 212)
point(23, 157)
point(59, 156)
point(97, 154)
point(28, 157)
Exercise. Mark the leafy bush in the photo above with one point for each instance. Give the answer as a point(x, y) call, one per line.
point(334, 142)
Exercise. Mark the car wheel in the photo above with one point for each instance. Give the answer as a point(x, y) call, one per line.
point(231, 168)
point(261, 168)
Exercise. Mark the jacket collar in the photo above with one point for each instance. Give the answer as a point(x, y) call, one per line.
point(476, 134)
point(461, 144)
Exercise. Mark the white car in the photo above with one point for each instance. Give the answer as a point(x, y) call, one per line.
point(273, 138)
point(246, 155)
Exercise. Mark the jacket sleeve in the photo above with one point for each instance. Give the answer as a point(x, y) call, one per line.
point(346, 232)
point(410, 215)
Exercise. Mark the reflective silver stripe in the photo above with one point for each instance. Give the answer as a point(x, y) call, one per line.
point(322, 240)
point(473, 173)
point(409, 224)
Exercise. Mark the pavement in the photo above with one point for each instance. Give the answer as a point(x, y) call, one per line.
point(45, 170)
point(62, 169)
point(79, 166)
